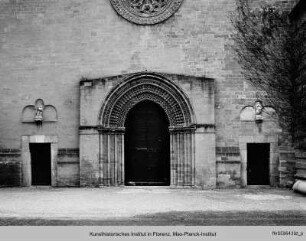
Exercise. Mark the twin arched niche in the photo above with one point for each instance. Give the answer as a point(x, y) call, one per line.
point(141, 87)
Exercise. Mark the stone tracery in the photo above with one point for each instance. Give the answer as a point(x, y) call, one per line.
point(146, 11)
point(148, 6)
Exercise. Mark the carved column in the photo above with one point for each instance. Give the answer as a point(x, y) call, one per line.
point(182, 156)
point(111, 156)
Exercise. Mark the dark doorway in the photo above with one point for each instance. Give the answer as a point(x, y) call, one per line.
point(258, 156)
point(41, 163)
point(147, 146)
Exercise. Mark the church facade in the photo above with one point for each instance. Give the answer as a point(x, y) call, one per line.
point(130, 92)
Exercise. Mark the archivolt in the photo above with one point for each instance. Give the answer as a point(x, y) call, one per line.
point(146, 86)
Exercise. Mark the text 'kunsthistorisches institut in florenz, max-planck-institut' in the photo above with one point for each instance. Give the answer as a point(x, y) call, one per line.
point(132, 92)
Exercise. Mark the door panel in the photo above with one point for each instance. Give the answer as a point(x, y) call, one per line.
point(147, 146)
point(258, 155)
point(40, 163)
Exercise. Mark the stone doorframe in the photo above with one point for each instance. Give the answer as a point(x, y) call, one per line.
point(273, 159)
point(192, 145)
point(180, 115)
point(26, 157)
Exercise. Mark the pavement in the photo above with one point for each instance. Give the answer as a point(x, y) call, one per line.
point(151, 206)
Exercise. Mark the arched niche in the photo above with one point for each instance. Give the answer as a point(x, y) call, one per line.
point(48, 112)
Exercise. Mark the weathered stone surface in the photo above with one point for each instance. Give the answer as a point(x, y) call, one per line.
point(68, 167)
point(189, 108)
point(47, 47)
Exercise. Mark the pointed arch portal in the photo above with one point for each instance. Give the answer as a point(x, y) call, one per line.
point(145, 163)
point(142, 87)
point(145, 133)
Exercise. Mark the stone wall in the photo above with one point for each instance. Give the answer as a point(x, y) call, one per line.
point(300, 173)
point(10, 167)
point(228, 167)
point(293, 161)
point(68, 171)
point(48, 46)
point(292, 166)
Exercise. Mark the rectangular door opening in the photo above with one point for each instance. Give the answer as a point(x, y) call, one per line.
point(41, 164)
point(258, 159)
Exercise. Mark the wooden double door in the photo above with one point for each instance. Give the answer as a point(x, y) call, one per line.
point(147, 146)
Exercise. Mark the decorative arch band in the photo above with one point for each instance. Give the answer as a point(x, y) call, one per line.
point(146, 86)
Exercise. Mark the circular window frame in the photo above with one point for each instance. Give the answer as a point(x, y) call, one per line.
point(127, 13)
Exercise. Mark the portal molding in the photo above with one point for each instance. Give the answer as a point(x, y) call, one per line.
point(145, 86)
point(188, 103)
